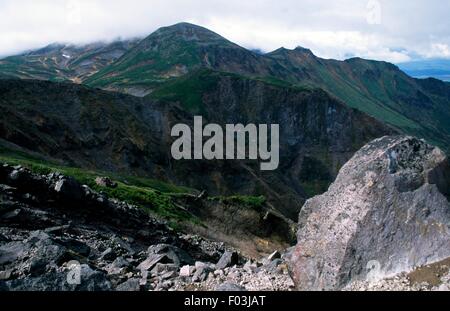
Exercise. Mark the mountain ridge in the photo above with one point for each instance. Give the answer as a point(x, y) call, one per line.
point(379, 89)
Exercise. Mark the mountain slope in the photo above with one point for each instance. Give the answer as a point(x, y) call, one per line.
point(60, 62)
point(379, 89)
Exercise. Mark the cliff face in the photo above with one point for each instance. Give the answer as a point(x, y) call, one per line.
point(318, 134)
point(114, 132)
point(386, 213)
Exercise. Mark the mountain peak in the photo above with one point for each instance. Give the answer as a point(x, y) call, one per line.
point(289, 52)
point(303, 50)
point(186, 25)
point(187, 31)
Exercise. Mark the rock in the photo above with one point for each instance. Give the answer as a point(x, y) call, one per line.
point(228, 259)
point(11, 215)
point(176, 255)
point(187, 271)
point(3, 238)
point(120, 266)
point(273, 265)
point(37, 236)
point(108, 255)
point(219, 273)
point(123, 246)
point(10, 252)
point(126, 264)
point(61, 222)
point(20, 176)
point(200, 265)
point(230, 287)
point(90, 280)
point(105, 182)
point(76, 246)
point(56, 230)
point(120, 262)
point(202, 272)
point(385, 213)
point(93, 280)
point(164, 286)
point(131, 285)
point(5, 275)
point(250, 267)
point(152, 260)
point(163, 268)
point(168, 275)
point(37, 267)
point(69, 189)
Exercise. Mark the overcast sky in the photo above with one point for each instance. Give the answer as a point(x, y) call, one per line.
point(392, 30)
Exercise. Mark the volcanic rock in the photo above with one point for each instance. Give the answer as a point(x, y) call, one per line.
point(386, 213)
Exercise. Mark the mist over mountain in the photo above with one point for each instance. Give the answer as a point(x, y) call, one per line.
point(65, 62)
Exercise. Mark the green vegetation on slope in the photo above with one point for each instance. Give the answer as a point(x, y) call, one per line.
point(254, 202)
point(152, 195)
point(188, 90)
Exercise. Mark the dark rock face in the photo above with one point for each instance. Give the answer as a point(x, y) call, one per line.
point(118, 133)
point(386, 213)
point(228, 259)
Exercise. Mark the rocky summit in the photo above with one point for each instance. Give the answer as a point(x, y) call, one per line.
point(386, 213)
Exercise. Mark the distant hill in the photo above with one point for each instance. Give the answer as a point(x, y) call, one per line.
point(433, 68)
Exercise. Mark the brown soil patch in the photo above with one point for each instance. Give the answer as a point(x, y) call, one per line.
point(430, 274)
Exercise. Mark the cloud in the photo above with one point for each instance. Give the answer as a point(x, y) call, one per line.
point(395, 31)
point(439, 50)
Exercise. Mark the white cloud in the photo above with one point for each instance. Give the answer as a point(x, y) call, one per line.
point(439, 50)
point(335, 29)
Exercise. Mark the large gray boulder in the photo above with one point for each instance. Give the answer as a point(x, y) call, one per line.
point(387, 212)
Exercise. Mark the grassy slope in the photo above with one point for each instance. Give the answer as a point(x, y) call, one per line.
point(152, 195)
point(189, 89)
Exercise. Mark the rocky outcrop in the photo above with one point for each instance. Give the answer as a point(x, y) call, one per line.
point(59, 235)
point(51, 227)
point(386, 213)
